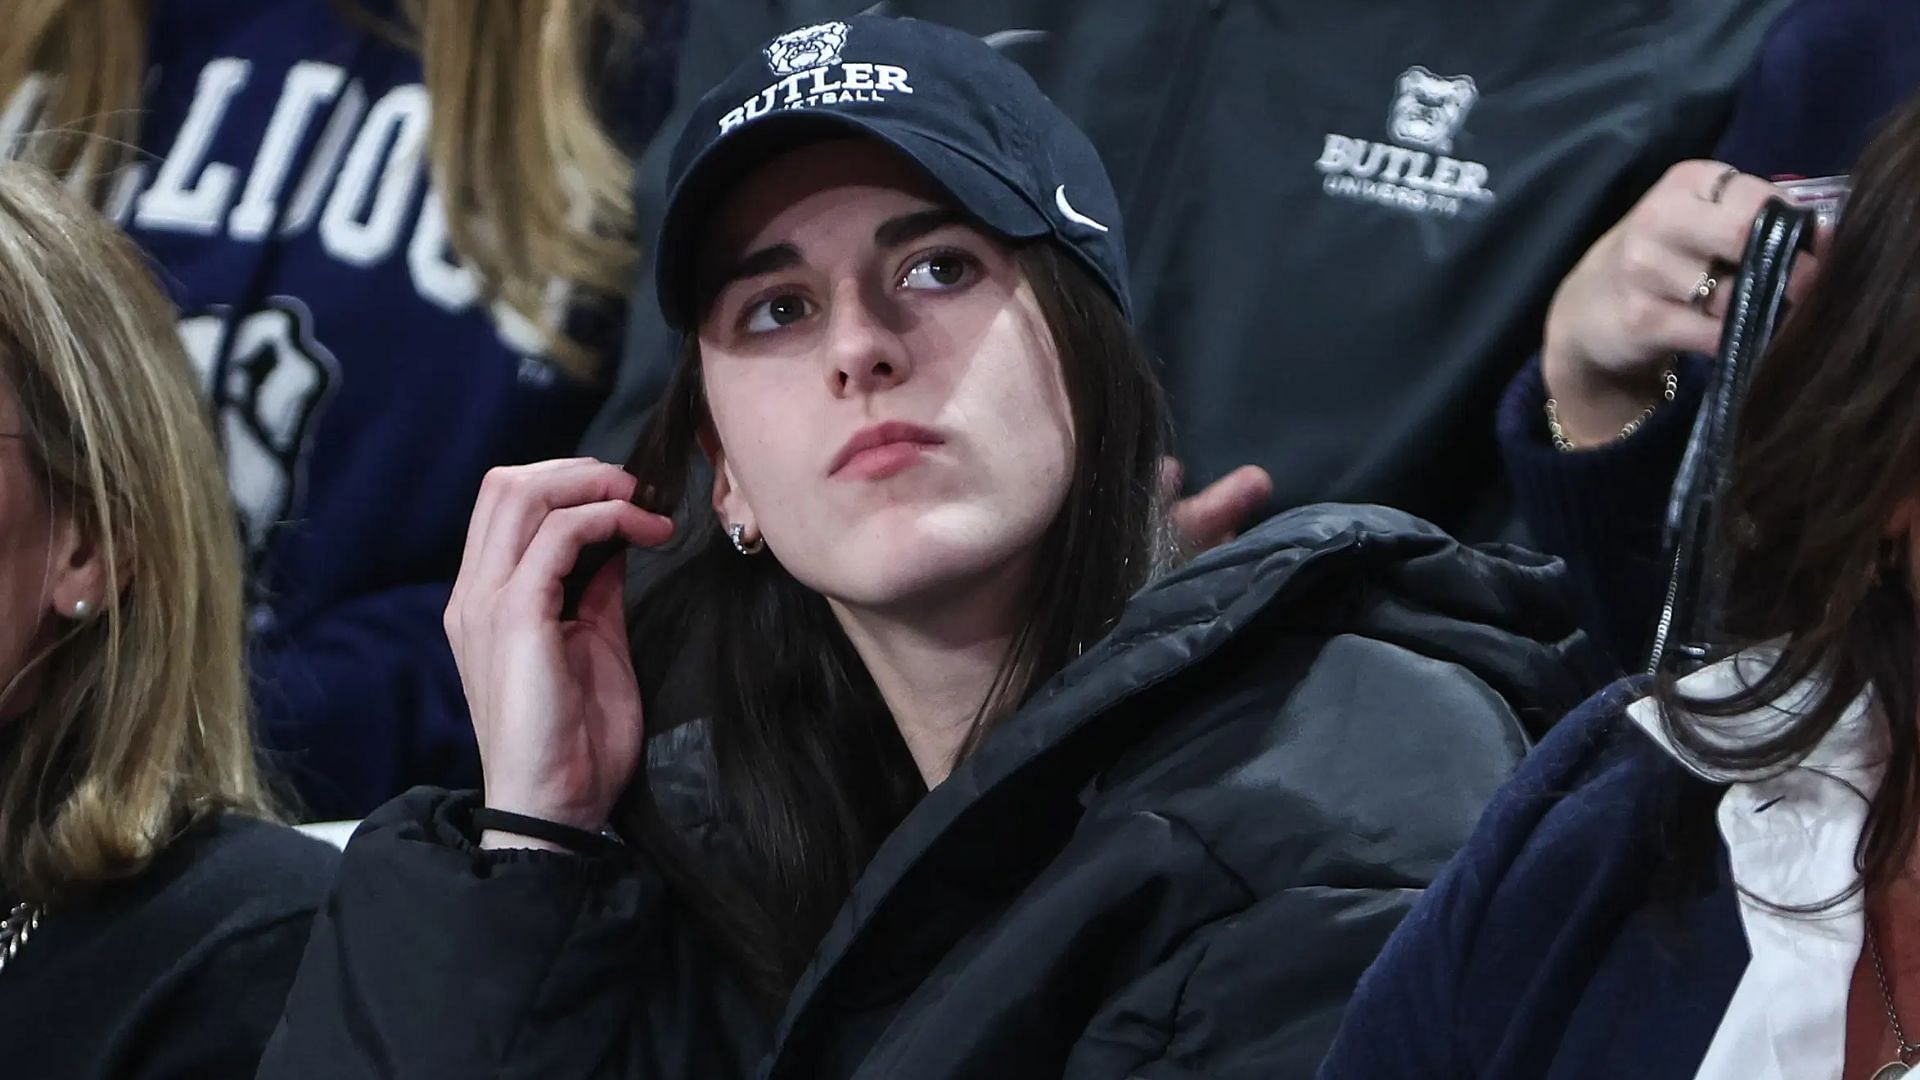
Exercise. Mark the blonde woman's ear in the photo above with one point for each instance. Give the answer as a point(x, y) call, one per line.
point(79, 572)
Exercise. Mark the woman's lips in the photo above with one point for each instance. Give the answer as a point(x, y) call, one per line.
point(880, 462)
point(882, 450)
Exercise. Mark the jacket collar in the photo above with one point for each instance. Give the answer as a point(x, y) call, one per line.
point(1854, 751)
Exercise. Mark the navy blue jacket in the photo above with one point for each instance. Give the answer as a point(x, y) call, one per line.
point(1829, 72)
point(1553, 947)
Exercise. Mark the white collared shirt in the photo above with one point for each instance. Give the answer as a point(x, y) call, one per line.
point(1791, 838)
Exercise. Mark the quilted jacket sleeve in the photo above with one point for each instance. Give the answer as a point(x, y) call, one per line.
point(433, 958)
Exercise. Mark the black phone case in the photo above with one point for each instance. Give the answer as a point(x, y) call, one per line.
point(1690, 616)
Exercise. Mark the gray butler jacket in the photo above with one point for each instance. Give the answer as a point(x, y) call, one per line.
point(1174, 861)
point(1345, 219)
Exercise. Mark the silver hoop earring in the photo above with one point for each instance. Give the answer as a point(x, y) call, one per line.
point(738, 534)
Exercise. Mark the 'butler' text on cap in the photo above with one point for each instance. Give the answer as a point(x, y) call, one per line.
point(960, 112)
point(809, 58)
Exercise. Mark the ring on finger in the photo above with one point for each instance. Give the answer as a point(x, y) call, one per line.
point(1703, 289)
point(1720, 182)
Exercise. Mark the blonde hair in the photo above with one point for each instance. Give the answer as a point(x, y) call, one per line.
point(140, 720)
point(535, 190)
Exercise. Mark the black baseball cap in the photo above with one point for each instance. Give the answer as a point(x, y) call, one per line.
point(972, 119)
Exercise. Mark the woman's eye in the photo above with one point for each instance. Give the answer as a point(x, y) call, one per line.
point(776, 312)
point(942, 271)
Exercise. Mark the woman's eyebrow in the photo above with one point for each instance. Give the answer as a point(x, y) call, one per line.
point(910, 227)
point(764, 261)
point(890, 234)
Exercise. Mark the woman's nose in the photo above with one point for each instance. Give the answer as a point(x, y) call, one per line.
point(864, 352)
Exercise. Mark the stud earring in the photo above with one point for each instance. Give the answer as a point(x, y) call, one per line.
point(738, 534)
point(81, 609)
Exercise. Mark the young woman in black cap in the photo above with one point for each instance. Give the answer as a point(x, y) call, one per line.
point(952, 803)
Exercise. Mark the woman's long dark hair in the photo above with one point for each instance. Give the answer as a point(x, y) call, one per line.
point(1828, 452)
point(812, 772)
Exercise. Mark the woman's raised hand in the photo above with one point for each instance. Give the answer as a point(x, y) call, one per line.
point(1633, 300)
point(555, 703)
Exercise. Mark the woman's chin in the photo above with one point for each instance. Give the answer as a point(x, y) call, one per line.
point(887, 568)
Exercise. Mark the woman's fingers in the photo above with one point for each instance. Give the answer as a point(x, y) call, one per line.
point(1705, 232)
point(512, 504)
point(515, 500)
point(494, 487)
point(603, 602)
point(1695, 332)
point(1688, 236)
point(1215, 514)
point(1666, 274)
point(534, 588)
point(1636, 306)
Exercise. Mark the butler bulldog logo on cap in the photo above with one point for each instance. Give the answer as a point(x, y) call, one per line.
point(807, 47)
point(815, 76)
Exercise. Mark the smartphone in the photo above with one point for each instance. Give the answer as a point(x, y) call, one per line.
point(1826, 196)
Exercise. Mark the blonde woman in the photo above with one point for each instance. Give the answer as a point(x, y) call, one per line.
point(153, 913)
point(304, 173)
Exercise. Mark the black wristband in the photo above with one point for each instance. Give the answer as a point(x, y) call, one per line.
point(579, 841)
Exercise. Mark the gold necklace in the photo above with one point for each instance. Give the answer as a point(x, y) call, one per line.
point(1903, 1050)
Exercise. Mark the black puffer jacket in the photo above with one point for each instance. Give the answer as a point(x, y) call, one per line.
point(1175, 861)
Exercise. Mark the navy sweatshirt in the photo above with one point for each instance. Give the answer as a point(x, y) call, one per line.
point(1553, 947)
point(361, 388)
point(1829, 73)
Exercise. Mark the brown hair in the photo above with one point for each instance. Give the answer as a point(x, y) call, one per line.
point(1828, 452)
point(534, 189)
point(140, 722)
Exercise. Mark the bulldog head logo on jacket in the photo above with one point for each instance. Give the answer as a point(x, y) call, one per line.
point(1430, 109)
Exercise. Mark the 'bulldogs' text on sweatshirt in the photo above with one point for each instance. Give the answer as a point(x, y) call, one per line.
point(360, 384)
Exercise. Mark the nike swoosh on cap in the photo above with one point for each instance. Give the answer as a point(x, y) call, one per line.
point(1066, 208)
